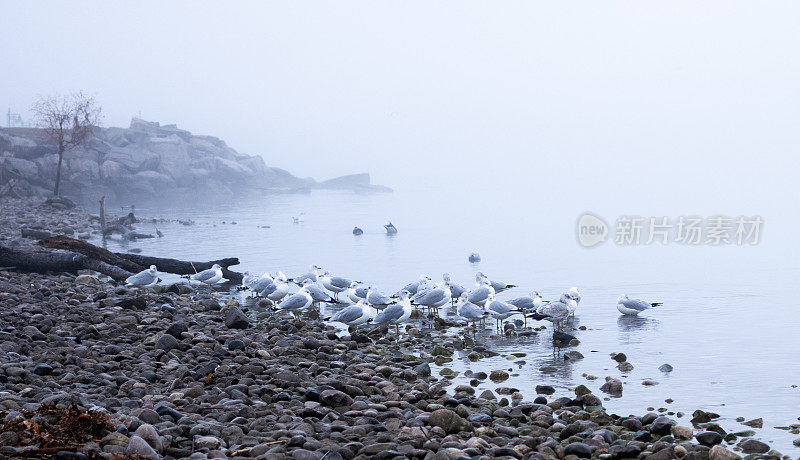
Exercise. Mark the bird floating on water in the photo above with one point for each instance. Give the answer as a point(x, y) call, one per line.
point(633, 307)
point(390, 228)
point(300, 218)
point(474, 257)
point(357, 231)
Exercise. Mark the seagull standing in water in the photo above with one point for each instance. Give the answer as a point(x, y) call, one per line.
point(413, 288)
point(296, 302)
point(576, 296)
point(555, 312)
point(211, 276)
point(469, 311)
point(354, 315)
point(434, 298)
point(144, 278)
point(396, 313)
point(633, 307)
point(480, 294)
point(500, 311)
point(334, 284)
point(497, 285)
point(528, 304)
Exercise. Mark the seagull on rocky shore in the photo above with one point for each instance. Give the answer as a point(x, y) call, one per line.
point(377, 300)
point(354, 315)
point(356, 292)
point(297, 301)
point(145, 278)
point(210, 276)
point(316, 292)
point(278, 290)
point(633, 307)
point(414, 288)
point(313, 275)
point(335, 284)
point(396, 313)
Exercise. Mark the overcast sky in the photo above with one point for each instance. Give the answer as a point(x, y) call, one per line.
point(669, 103)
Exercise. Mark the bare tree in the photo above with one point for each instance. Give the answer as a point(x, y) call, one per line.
point(68, 121)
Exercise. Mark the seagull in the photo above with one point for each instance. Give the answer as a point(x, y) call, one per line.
point(469, 311)
point(474, 257)
point(390, 228)
point(633, 307)
point(211, 276)
point(278, 290)
point(497, 285)
point(316, 292)
point(144, 278)
point(500, 310)
point(413, 288)
point(296, 302)
point(576, 297)
point(357, 231)
point(528, 304)
point(334, 284)
point(479, 295)
point(377, 300)
point(555, 312)
point(299, 218)
point(356, 292)
point(354, 315)
point(396, 313)
point(313, 275)
point(434, 298)
point(455, 289)
point(260, 283)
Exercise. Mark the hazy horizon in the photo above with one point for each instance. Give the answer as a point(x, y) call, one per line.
point(690, 107)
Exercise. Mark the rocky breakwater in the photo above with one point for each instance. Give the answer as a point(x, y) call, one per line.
point(147, 161)
point(189, 375)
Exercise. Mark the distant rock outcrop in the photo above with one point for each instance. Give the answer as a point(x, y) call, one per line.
point(147, 162)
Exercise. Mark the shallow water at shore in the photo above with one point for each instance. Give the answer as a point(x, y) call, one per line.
point(727, 326)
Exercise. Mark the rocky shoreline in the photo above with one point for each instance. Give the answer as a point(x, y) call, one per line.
point(200, 375)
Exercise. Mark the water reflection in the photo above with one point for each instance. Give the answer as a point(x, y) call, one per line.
point(629, 323)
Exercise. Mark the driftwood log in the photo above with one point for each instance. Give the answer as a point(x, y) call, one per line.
point(181, 267)
point(64, 254)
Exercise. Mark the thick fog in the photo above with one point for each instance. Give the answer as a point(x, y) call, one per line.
point(616, 106)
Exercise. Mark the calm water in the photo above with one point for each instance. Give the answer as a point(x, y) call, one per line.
point(729, 324)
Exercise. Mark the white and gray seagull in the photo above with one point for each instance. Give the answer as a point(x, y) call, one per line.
point(469, 311)
point(317, 293)
point(633, 307)
point(210, 276)
point(396, 313)
point(377, 300)
point(556, 312)
point(528, 304)
point(335, 284)
point(296, 302)
point(480, 294)
point(144, 278)
point(354, 315)
point(356, 292)
point(500, 311)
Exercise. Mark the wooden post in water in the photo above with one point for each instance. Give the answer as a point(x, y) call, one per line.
point(103, 216)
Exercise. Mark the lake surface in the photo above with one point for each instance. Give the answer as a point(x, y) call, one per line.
point(729, 324)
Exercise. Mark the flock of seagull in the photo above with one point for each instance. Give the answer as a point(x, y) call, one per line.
point(369, 305)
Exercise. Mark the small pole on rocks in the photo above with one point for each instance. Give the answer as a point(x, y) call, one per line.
point(103, 216)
